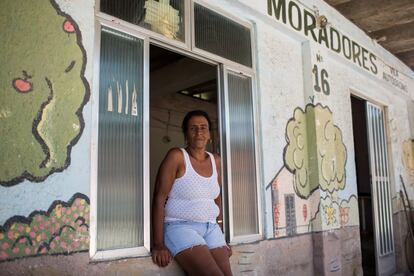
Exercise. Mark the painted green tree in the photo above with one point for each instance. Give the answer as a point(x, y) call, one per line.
point(315, 152)
point(43, 89)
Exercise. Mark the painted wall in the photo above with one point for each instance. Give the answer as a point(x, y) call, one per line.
point(45, 126)
point(303, 89)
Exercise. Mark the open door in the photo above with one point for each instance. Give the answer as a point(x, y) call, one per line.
point(381, 192)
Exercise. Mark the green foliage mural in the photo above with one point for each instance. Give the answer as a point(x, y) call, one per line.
point(64, 228)
point(43, 89)
point(315, 152)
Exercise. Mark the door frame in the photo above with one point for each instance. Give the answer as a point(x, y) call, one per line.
point(390, 266)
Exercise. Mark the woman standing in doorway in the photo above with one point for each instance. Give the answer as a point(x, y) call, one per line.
point(187, 217)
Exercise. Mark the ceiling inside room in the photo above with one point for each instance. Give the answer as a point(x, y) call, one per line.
point(389, 22)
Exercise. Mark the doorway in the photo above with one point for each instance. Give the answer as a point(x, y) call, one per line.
point(178, 84)
point(361, 148)
point(374, 187)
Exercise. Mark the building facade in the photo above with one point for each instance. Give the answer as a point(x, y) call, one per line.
point(314, 122)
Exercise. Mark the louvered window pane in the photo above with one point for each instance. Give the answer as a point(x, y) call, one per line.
point(242, 154)
point(221, 36)
point(120, 183)
point(165, 17)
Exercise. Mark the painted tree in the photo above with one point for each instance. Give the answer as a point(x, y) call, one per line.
point(315, 152)
point(43, 89)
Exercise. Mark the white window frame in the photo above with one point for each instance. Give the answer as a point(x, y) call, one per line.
point(226, 128)
point(133, 251)
point(236, 66)
point(186, 48)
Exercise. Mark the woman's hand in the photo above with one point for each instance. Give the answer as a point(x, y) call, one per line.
point(161, 256)
point(229, 250)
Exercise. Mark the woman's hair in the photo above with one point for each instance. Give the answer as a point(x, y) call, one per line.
point(194, 113)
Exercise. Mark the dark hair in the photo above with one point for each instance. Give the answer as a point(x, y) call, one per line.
point(194, 113)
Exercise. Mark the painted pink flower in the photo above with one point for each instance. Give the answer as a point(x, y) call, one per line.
point(35, 228)
point(63, 244)
point(16, 250)
point(81, 208)
point(53, 245)
point(22, 240)
point(42, 226)
point(75, 244)
point(3, 255)
point(57, 238)
point(21, 228)
point(69, 212)
point(43, 235)
point(32, 234)
point(74, 208)
point(10, 235)
point(5, 245)
point(76, 215)
point(27, 251)
point(53, 219)
point(38, 218)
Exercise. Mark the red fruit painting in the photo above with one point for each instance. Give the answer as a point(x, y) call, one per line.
point(22, 86)
point(68, 27)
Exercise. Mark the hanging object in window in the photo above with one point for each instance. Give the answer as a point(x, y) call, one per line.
point(162, 17)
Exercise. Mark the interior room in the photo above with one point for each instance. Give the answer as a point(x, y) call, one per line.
point(178, 84)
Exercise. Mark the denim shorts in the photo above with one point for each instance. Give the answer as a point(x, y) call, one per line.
point(182, 235)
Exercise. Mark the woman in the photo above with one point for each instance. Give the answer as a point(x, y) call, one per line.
point(187, 205)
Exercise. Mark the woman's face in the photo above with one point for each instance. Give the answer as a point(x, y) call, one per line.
point(198, 132)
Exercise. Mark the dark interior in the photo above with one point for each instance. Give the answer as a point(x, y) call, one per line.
point(366, 226)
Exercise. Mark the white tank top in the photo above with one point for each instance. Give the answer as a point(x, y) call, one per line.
point(192, 195)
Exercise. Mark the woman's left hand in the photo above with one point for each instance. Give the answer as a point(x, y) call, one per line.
point(229, 250)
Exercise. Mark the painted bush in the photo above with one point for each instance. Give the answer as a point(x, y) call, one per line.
point(64, 228)
point(43, 89)
point(315, 152)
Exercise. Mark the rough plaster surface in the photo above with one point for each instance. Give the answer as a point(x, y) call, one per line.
point(280, 77)
point(297, 255)
point(27, 196)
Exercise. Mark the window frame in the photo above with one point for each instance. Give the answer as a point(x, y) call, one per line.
point(220, 59)
point(148, 33)
point(226, 69)
point(188, 49)
point(133, 251)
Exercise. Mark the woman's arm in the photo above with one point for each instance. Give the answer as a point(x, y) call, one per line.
point(165, 178)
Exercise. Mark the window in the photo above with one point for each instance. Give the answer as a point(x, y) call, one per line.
point(243, 196)
point(120, 221)
point(165, 17)
point(221, 36)
point(120, 210)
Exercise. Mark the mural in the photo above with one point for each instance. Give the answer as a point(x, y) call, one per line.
point(315, 152)
point(315, 158)
point(63, 229)
point(408, 161)
point(43, 89)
